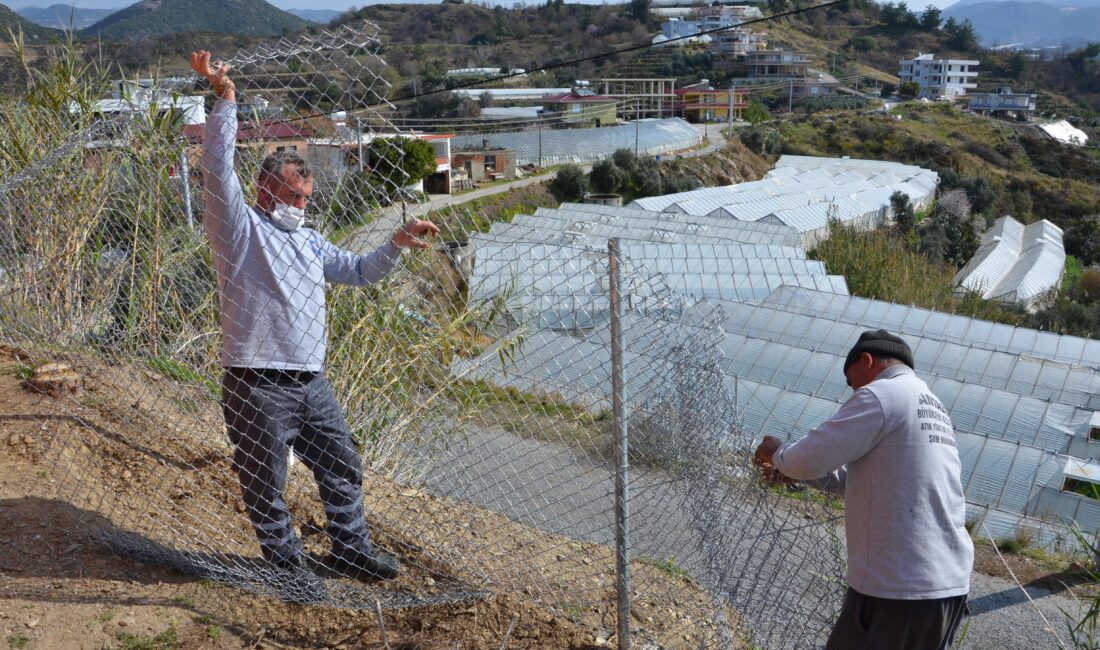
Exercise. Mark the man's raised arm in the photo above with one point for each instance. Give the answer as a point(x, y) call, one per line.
point(226, 211)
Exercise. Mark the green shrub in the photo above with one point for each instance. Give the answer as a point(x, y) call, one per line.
point(570, 184)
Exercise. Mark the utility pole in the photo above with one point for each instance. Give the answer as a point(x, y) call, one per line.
point(729, 117)
point(359, 141)
point(637, 125)
point(790, 97)
point(539, 120)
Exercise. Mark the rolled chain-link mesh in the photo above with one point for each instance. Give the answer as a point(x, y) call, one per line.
point(476, 396)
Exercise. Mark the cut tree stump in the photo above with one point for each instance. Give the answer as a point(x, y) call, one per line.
point(55, 380)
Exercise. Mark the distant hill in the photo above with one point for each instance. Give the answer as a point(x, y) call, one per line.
point(157, 17)
point(321, 16)
point(1079, 4)
point(61, 16)
point(33, 33)
point(1030, 23)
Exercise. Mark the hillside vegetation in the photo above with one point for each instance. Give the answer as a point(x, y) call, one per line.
point(157, 17)
point(14, 23)
point(1004, 168)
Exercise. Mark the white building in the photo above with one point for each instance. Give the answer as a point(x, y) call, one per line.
point(139, 95)
point(937, 78)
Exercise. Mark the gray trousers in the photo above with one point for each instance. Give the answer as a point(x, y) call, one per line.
point(869, 623)
point(269, 413)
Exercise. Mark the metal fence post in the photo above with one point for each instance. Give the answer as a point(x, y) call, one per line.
point(622, 448)
point(185, 179)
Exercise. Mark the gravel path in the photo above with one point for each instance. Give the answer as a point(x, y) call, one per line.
point(563, 491)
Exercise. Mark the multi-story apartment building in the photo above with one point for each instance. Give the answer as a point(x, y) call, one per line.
point(777, 63)
point(948, 78)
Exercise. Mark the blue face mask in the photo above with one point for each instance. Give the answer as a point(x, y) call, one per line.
point(288, 217)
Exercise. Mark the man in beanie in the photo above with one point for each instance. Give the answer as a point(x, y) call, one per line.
point(890, 450)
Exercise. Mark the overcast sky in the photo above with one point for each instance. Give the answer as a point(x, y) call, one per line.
point(340, 5)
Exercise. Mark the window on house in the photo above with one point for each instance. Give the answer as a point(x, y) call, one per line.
point(491, 163)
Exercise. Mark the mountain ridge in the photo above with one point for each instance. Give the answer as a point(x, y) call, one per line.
point(63, 16)
point(1029, 23)
point(157, 17)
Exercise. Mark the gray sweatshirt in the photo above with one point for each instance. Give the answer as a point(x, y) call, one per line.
point(271, 282)
point(891, 450)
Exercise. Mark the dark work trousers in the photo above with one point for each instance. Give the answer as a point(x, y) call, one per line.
point(868, 623)
point(269, 413)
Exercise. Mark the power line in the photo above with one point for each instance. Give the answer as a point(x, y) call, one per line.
point(477, 83)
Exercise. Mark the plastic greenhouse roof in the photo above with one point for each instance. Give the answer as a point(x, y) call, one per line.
point(1022, 375)
point(905, 319)
point(974, 408)
point(595, 208)
point(1016, 262)
point(748, 231)
point(582, 222)
point(1009, 476)
point(586, 145)
point(795, 190)
point(597, 237)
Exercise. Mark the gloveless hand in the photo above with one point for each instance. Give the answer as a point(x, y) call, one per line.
point(410, 235)
point(216, 73)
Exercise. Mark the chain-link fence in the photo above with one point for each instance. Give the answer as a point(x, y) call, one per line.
point(199, 339)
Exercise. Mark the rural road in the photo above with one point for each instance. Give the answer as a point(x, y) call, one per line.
point(374, 234)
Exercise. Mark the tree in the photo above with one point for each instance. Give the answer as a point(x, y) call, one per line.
point(909, 89)
point(756, 113)
point(898, 18)
point(887, 90)
point(625, 160)
point(904, 217)
point(606, 177)
point(763, 139)
point(960, 36)
point(1082, 239)
point(399, 161)
point(570, 184)
point(950, 236)
point(930, 19)
point(638, 10)
point(933, 240)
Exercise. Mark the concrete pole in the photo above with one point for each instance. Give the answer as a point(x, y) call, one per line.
point(637, 125)
point(185, 176)
point(729, 118)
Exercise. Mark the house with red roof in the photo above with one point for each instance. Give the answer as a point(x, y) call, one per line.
point(581, 107)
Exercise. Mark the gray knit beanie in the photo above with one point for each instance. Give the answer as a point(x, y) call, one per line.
point(880, 343)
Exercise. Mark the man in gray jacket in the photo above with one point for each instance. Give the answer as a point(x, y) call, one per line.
point(272, 273)
point(890, 450)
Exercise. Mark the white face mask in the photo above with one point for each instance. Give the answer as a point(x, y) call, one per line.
point(288, 217)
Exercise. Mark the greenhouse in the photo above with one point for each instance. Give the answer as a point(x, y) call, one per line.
point(807, 192)
point(558, 146)
point(909, 320)
point(1016, 264)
